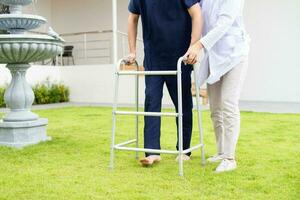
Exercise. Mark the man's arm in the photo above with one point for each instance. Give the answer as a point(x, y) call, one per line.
point(197, 25)
point(133, 20)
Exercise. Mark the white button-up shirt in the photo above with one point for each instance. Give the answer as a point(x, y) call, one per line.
point(224, 39)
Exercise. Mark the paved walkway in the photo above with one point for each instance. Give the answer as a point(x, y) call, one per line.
point(72, 104)
point(61, 105)
point(271, 107)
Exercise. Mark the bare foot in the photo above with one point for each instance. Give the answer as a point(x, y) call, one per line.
point(150, 160)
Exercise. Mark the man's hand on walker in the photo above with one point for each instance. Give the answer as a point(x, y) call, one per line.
point(191, 56)
point(131, 58)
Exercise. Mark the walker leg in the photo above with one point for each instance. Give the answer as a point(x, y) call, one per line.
point(112, 148)
point(137, 117)
point(199, 113)
point(180, 121)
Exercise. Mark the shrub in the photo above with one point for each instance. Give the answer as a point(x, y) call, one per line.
point(42, 94)
point(2, 103)
point(50, 93)
point(45, 93)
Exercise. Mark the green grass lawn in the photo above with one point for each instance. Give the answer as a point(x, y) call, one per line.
point(74, 165)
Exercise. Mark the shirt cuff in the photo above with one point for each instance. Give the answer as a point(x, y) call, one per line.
point(190, 3)
point(133, 11)
point(205, 44)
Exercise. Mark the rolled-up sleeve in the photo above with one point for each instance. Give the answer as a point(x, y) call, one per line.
point(134, 7)
point(190, 3)
point(228, 12)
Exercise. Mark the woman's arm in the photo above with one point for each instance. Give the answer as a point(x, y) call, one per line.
point(197, 22)
point(197, 25)
point(229, 10)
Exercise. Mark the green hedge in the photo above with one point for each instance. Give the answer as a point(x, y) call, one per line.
point(45, 93)
point(2, 103)
point(50, 93)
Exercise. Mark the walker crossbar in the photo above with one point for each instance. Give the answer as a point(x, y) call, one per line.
point(148, 73)
point(122, 146)
point(152, 114)
point(125, 143)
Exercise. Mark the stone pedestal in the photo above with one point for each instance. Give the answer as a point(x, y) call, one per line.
point(19, 95)
point(21, 134)
point(20, 127)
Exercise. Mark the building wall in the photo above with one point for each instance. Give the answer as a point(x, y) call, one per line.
point(35, 75)
point(274, 68)
point(274, 27)
point(42, 8)
point(88, 15)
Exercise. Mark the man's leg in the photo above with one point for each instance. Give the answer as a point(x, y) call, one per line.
point(187, 104)
point(153, 93)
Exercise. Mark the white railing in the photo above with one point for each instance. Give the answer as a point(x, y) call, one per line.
point(124, 46)
point(93, 47)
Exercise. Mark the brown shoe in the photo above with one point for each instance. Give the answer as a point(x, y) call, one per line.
point(150, 160)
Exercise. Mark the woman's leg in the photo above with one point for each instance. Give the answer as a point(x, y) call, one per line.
point(215, 102)
point(232, 84)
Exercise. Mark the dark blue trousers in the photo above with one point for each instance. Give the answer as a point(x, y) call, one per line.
point(153, 102)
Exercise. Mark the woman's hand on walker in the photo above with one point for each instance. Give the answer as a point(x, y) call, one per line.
point(191, 56)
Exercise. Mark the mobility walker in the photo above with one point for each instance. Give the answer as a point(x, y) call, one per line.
point(124, 146)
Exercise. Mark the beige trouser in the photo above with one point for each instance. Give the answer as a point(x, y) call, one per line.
point(224, 105)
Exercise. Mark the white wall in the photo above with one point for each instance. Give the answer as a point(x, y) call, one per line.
point(89, 15)
point(78, 16)
point(35, 74)
point(274, 68)
point(94, 84)
point(4, 76)
point(42, 8)
point(92, 15)
point(274, 27)
point(88, 84)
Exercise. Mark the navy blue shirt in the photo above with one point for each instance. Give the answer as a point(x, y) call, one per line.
point(167, 28)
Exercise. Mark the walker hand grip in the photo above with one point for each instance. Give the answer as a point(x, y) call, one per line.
point(124, 61)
